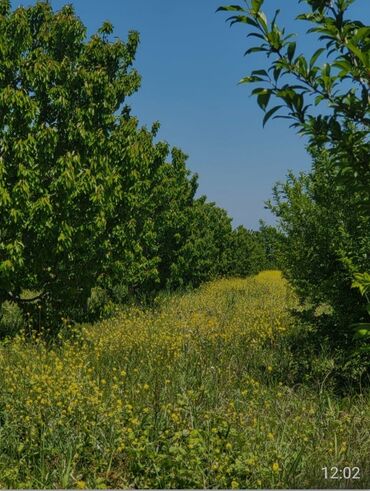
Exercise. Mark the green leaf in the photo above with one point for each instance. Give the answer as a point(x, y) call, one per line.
point(260, 72)
point(257, 4)
point(263, 21)
point(362, 56)
point(257, 35)
point(263, 98)
point(259, 90)
point(291, 51)
point(273, 22)
point(229, 8)
point(361, 325)
point(242, 19)
point(254, 50)
point(344, 66)
point(315, 56)
point(362, 331)
point(277, 72)
point(250, 79)
point(319, 99)
point(270, 113)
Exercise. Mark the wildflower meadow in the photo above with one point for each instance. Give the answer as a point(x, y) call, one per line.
point(147, 340)
point(195, 392)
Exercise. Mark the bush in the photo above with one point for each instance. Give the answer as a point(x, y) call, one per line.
point(11, 319)
point(97, 302)
point(325, 241)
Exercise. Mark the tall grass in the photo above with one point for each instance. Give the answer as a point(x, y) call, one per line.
point(196, 393)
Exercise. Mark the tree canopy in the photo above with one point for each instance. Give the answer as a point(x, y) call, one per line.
point(88, 198)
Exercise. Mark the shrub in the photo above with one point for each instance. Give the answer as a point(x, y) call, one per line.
point(97, 302)
point(11, 319)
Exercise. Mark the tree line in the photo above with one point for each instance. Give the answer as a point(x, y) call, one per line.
point(92, 205)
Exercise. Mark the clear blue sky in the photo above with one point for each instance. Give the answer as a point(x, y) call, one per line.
point(190, 61)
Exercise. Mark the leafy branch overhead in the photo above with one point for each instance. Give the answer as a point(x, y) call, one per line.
point(300, 83)
point(325, 95)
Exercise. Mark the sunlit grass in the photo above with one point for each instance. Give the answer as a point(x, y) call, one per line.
point(192, 394)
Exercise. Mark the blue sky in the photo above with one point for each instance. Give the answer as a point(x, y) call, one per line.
point(191, 61)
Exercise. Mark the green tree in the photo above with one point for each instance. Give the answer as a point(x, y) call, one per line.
point(205, 253)
point(272, 242)
point(324, 236)
point(246, 253)
point(173, 191)
point(87, 198)
point(326, 214)
point(92, 207)
point(60, 178)
point(300, 83)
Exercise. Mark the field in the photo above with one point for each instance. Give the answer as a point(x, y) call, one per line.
point(197, 392)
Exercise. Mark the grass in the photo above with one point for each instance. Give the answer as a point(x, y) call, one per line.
point(196, 393)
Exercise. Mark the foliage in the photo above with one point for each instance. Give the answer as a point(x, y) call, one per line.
point(97, 301)
point(175, 198)
point(272, 242)
point(204, 255)
point(247, 255)
point(11, 319)
point(342, 82)
point(362, 282)
point(325, 214)
point(324, 238)
point(60, 176)
point(214, 249)
point(151, 218)
point(200, 393)
point(90, 202)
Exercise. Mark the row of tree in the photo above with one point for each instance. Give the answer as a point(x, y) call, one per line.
point(88, 199)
